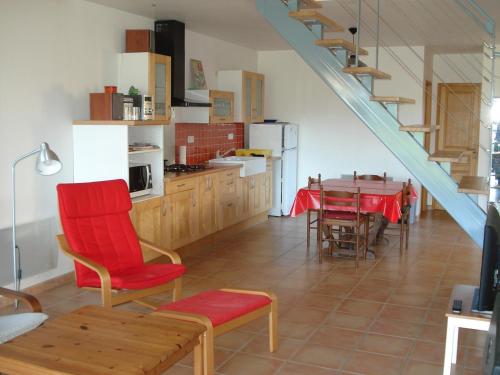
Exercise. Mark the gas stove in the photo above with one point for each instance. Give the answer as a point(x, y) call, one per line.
point(184, 168)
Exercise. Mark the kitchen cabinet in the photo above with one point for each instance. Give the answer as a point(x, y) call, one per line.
point(207, 204)
point(248, 88)
point(253, 97)
point(268, 190)
point(227, 199)
point(151, 74)
point(146, 218)
point(180, 218)
point(222, 110)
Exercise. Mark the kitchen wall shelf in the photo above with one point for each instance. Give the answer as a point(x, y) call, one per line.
point(124, 122)
point(144, 151)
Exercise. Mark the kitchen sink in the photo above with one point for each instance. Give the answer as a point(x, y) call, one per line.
point(250, 165)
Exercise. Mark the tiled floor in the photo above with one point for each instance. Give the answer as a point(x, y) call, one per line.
point(385, 318)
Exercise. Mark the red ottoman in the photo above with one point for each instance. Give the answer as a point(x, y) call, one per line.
point(222, 311)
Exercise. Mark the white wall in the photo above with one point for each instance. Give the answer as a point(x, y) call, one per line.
point(332, 140)
point(53, 53)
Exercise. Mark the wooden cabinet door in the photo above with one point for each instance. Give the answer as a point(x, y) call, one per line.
point(146, 218)
point(180, 218)
point(207, 205)
point(268, 198)
point(258, 98)
point(247, 97)
point(159, 81)
point(244, 204)
point(227, 202)
point(222, 110)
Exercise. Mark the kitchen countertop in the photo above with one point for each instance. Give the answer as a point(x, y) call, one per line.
point(176, 176)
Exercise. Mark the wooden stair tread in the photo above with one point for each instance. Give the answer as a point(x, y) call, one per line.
point(474, 185)
point(419, 128)
point(366, 70)
point(310, 4)
point(392, 99)
point(340, 43)
point(308, 16)
point(451, 156)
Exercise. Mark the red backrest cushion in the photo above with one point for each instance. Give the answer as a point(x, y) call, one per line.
point(96, 223)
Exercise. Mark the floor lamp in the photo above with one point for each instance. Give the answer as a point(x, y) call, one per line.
point(47, 163)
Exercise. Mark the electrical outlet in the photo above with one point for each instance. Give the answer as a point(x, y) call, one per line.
point(230, 136)
point(190, 138)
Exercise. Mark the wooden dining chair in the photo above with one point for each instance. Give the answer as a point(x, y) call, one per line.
point(314, 221)
point(370, 177)
point(340, 210)
point(402, 228)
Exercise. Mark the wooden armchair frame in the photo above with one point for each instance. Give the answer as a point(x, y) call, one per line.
point(30, 300)
point(207, 342)
point(111, 297)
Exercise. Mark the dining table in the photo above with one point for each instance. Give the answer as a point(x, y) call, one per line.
point(380, 199)
point(96, 340)
point(384, 197)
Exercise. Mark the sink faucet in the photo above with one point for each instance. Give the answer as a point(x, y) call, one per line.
point(220, 155)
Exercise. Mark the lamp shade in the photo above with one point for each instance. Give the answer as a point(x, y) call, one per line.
point(47, 162)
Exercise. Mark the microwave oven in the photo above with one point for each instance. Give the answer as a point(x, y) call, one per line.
point(140, 180)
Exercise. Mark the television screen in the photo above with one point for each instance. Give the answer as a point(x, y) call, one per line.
point(484, 296)
point(492, 347)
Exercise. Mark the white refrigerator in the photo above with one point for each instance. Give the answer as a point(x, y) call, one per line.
point(282, 139)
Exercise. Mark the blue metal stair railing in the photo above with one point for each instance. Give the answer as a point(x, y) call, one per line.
point(385, 127)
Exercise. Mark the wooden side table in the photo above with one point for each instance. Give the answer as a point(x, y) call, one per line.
point(95, 340)
point(466, 319)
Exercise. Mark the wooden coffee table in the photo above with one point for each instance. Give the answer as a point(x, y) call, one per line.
point(98, 340)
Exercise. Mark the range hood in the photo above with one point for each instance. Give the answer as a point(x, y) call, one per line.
point(170, 41)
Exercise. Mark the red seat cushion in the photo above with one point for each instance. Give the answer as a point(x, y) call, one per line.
point(141, 277)
point(340, 215)
point(219, 306)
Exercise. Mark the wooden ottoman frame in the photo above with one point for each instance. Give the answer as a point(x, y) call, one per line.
point(207, 341)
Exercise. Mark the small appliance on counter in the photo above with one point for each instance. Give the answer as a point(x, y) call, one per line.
point(140, 180)
point(282, 139)
point(254, 152)
point(184, 168)
point(147, 112)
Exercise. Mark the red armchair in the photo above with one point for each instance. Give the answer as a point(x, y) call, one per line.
point(100, 237)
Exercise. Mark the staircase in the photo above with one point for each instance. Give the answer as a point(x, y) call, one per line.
point(303, 26)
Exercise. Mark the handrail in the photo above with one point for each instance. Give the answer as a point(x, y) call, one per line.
point(477, 13)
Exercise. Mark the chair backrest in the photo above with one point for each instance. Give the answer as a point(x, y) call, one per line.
point(97, 225)
point(370, 177)
point(339, 200)
point(313, 181)
point(407, 188)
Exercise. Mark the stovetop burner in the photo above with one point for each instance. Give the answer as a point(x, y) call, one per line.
point(184, 168)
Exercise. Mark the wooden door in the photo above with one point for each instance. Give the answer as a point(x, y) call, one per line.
point(207, 206)
point(146, 218)
point(458, 117)
point(180, 219)
point(457, 112)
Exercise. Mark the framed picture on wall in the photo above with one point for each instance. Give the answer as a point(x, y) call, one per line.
point(197, 75)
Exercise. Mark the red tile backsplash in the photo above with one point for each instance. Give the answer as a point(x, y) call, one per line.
point(208, 138)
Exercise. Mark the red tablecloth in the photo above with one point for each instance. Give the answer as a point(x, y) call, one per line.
point(376, 196)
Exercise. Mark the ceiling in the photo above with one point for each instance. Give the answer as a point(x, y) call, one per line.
point(441, 24)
